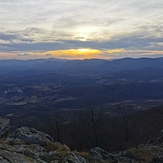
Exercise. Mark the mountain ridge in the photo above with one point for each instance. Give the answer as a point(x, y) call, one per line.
point(79, 67)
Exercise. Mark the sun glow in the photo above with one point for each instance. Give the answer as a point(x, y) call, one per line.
point(83, 50)
point(80, 53)
point(84, 33)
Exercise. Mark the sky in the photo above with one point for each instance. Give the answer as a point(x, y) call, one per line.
point(81, 29)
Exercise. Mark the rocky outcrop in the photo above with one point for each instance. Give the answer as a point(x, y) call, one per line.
point(72, 158)
point(35, 153)
point(31, 136)
point(144, 154)
point(101, 156)
point(100, 153)
point(27, 145)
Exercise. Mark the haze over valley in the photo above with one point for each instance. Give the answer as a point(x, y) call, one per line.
point(64, 84)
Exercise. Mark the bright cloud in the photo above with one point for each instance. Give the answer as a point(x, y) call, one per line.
point(112, 51)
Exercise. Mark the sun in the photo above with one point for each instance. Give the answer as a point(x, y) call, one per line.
point(83, 50)
point(87, 52)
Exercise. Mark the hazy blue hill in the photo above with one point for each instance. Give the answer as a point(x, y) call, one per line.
point(96, 66)
point(143, 74)
point(78, 67)
point(130, 63)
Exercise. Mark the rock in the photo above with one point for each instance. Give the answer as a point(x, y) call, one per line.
point(101, 153)
point(3, 160)
point(13, 157)
point(31, 136)
point(157, 160)
point(4, 127)
point(31, 151)
point(27, 145)
point(72, 158)
point(50, 156)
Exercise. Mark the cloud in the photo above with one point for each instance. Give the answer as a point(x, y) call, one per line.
point(43, 25)
point(48, 55)
point(8, 37)
point(112, 51)
point(13, 38)
point(135, 41)
point(23, 55)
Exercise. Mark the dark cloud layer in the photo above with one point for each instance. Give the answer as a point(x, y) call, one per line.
point(140, 42)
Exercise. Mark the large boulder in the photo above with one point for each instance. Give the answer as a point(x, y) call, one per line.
point(102, 154)
point(31, 136)
point(4, 127)
point(34, 153)
point(9, 154)
point(72, 158)
point(26, 154)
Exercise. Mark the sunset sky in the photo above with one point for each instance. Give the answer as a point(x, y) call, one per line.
point(78, 29)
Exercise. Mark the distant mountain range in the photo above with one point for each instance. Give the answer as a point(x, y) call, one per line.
point(69, 84)
point(77, 67)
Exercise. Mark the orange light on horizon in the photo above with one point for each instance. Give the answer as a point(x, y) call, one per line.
point(75, 53)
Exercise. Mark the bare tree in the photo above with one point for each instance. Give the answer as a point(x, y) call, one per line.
point(132, 130)
point(58, 124)
point(91, 121)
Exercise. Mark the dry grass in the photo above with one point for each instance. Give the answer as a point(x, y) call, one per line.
point(144, 154)
point(83, 154)
point(55, 146)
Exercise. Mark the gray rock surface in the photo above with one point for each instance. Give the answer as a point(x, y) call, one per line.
point(3, 160)
point(100, 153)
point(13, 157)
point(27, 145)
point(4, 127)
point(31, 136)
point(72, 158)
